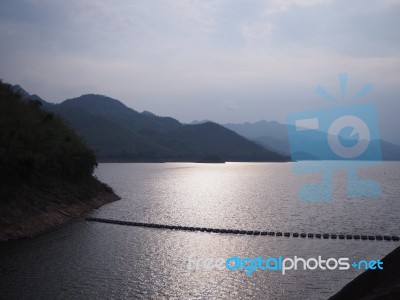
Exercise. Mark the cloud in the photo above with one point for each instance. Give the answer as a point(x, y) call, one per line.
point(258, 32)
point(345, 27)
point(276, 6)
point(197, 14)
point(259, 58)
point(230, 106)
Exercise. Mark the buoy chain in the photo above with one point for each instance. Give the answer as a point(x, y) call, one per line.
point(252, 232)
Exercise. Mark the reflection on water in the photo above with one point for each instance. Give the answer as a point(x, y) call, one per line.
point(247, 195)
point(87, 260)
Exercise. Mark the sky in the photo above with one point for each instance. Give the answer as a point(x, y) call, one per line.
point(223, 60)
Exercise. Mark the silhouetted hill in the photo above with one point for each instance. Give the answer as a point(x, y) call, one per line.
point(390, 151)
point(273, 144)
point(45, 168)
point(274, 136)
point(117, 112)
point(25, 96)
point(271, 129)
point(107, 138)
point(196, 122)
point(149, 113)
point(36, 143)
point(211, 138)
point(118, 133)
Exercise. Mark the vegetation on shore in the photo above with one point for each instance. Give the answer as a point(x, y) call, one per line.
point(44, 166)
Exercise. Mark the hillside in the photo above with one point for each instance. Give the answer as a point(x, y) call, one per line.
point(45, 169)
point(211, 138)
point(274, 136)
point(118, 133)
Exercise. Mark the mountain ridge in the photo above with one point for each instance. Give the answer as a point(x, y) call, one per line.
point(118, 133)
point(274, 135)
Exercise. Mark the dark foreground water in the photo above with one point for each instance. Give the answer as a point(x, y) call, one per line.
point(87, 260)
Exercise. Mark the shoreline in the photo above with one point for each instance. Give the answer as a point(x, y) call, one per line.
point(52, 217)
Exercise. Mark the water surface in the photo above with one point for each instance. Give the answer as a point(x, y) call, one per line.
point(87, 260)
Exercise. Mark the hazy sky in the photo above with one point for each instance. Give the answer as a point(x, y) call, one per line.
point(223, 60)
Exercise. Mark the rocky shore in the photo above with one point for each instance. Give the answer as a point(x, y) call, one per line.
point(26, 218)
point(46, 169)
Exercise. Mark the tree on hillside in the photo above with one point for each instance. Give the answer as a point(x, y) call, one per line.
point(37, 146)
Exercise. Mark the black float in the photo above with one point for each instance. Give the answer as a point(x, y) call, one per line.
point(250, 232)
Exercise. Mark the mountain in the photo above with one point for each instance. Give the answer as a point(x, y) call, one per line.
point(118, 133)
point(26, 97)
point(145, 112)
point(117, 112)
point(270, 134)
point(210, 138)
point(271, 129)
point(390, 151)
point(196, 122)
point(274, 136)
point(45, 169)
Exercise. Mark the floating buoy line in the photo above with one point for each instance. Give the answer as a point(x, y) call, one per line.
point(252, 232)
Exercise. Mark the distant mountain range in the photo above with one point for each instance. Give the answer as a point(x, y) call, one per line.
point(274, 136)
point(118, 133)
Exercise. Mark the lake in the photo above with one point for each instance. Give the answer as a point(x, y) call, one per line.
point(90, 260)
